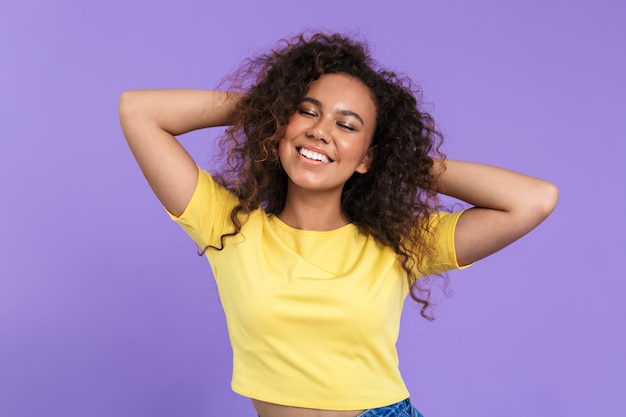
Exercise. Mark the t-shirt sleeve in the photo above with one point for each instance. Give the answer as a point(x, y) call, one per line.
point(207, 215)
point(443, 225)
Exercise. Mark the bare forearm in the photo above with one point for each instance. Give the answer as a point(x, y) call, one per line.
point(178, 111)
point(491, 187)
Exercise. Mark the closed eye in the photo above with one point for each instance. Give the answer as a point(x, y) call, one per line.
point(307, 112)
point(346, 126)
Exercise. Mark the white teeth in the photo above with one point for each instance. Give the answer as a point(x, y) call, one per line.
point(313, 155)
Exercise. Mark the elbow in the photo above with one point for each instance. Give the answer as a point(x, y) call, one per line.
point(131, 112)
point(126, 104)
point(545, 200)
point(550, 197)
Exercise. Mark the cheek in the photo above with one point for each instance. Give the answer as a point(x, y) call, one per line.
point(356, 151)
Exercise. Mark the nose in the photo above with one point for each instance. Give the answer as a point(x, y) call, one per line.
point(319, 131)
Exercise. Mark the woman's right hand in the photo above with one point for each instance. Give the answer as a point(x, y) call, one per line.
point(151, 119)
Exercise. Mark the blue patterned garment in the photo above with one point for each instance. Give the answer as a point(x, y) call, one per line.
point(399, 409)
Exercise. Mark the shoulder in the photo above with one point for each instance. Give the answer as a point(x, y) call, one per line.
point(207, 214)
point(441, 228)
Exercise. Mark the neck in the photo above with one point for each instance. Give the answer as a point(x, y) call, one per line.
point(313, 211)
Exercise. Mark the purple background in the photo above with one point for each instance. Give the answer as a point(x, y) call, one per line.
point(105, 308)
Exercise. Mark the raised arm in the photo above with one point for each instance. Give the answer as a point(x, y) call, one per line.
point(507, 205)
point(150, 121)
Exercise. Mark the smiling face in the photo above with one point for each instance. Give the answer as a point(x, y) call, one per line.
point(328, 138)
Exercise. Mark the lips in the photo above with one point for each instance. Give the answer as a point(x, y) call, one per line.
point(313, 155)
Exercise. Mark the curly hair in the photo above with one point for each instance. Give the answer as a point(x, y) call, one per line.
point(392, 201)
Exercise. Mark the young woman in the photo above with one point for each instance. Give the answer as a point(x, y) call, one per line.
point(324, 219)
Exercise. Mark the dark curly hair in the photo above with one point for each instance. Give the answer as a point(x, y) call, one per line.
point(392, 201)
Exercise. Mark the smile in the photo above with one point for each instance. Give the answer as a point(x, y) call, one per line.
point(315, 156)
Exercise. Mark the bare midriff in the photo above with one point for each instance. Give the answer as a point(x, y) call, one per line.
point(265, 409)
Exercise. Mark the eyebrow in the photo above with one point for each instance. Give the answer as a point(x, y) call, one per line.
point(343, 112)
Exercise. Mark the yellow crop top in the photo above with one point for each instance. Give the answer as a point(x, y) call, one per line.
point(313, 317)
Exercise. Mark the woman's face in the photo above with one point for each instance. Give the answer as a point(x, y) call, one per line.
point(327, 139)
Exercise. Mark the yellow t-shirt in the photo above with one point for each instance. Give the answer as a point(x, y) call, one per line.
point(313, 317)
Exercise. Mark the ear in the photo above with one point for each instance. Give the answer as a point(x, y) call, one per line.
point(365, 164)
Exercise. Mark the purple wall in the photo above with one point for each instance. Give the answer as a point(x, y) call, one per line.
point(105, 309)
